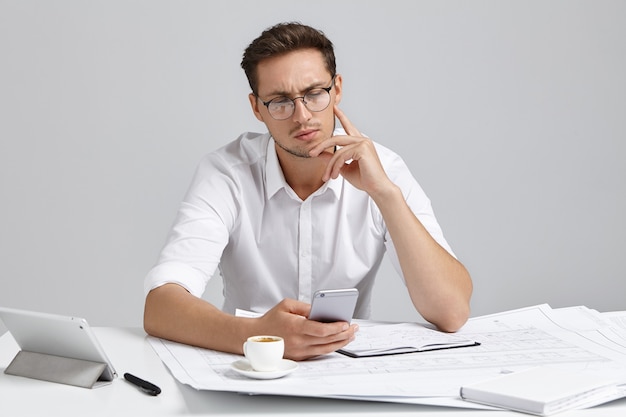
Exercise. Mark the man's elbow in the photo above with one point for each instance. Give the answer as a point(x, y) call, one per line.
point(453, 322)
point(450, 318)
point(150, 320)
point(457, 312)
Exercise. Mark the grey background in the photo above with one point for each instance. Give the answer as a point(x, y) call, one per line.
point(511, 114)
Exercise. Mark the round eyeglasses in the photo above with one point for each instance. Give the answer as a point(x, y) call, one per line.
point(316, 99)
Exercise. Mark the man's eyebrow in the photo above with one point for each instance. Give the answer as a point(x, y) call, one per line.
point(281, 93)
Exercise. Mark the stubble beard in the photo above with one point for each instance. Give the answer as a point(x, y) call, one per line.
point(298, 152)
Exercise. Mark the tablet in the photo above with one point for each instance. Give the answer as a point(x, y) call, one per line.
point(68, 337)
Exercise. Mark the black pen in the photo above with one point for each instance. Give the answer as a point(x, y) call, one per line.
point(145, 386)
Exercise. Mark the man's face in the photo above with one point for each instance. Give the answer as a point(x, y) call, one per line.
point(293, 75)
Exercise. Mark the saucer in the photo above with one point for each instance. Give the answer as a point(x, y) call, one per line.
point(243, 367)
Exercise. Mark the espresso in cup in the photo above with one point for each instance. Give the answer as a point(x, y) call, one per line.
point(266, 339)
point(264, 352)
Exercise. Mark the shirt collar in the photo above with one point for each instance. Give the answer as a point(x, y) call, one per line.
point(275, 179)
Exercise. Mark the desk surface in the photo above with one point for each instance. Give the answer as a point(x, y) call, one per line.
point(129, 351)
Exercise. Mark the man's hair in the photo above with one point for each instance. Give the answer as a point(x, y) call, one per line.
point(281, 39)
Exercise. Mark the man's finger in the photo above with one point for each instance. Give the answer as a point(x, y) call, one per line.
point(345, 122)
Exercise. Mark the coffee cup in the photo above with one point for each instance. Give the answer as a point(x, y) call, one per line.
point(264, 352)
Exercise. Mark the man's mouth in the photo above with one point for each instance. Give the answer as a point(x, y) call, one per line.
point(306, 135)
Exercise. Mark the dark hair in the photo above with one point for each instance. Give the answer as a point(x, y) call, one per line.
point(281, 39)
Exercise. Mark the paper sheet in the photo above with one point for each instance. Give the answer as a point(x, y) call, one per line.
point(510, 341)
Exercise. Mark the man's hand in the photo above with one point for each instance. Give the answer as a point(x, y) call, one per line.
point(304, 338)
point(355, 159)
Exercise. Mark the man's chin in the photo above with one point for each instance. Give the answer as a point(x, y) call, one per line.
point(297, 152)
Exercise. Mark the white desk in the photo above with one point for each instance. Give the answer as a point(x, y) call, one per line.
point(130, 352)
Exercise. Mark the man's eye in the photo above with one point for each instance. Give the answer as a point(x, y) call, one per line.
point(315, 94)
point(281, 101)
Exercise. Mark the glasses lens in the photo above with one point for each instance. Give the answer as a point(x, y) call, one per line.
point(281, 108)
point(317, 99)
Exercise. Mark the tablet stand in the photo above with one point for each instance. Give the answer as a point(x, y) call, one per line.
point(52, 368)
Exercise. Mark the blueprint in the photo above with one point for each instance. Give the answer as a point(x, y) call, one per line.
point(574, 338)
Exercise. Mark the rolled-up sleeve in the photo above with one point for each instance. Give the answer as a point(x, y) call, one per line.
point(179, 273)
point(200, 232)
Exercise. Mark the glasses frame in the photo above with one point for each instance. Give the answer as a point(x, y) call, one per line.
point(293, 100)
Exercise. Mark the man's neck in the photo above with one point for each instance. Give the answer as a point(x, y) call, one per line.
point(304, 175)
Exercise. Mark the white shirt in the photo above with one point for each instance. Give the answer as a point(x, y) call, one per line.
point(241, 215)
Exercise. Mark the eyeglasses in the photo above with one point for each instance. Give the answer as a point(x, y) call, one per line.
point(316, 99)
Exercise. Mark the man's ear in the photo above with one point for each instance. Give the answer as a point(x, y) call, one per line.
point(338, 88)
point(254, 103)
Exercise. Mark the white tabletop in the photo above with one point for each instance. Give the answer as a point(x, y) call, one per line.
point(130, 352)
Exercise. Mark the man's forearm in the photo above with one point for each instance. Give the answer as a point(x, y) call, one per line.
point(171, 312)
point(439, 285)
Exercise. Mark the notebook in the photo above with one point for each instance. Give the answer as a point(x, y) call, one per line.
point(56, 335)
point(393, 339)
point(544, 391)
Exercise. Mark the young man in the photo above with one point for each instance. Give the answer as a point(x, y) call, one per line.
point(301, 208)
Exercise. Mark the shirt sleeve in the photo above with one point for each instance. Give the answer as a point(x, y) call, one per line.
point(200, 231)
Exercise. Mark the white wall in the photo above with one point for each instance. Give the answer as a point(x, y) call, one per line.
point(512, 115)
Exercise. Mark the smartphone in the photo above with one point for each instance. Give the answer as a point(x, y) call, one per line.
point(334, 305)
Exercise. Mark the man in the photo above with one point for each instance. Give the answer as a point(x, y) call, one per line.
point(301, 208)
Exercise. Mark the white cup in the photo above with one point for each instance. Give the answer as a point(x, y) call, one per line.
point(264, 352)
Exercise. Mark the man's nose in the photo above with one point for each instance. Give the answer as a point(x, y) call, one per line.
point(300, 112)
